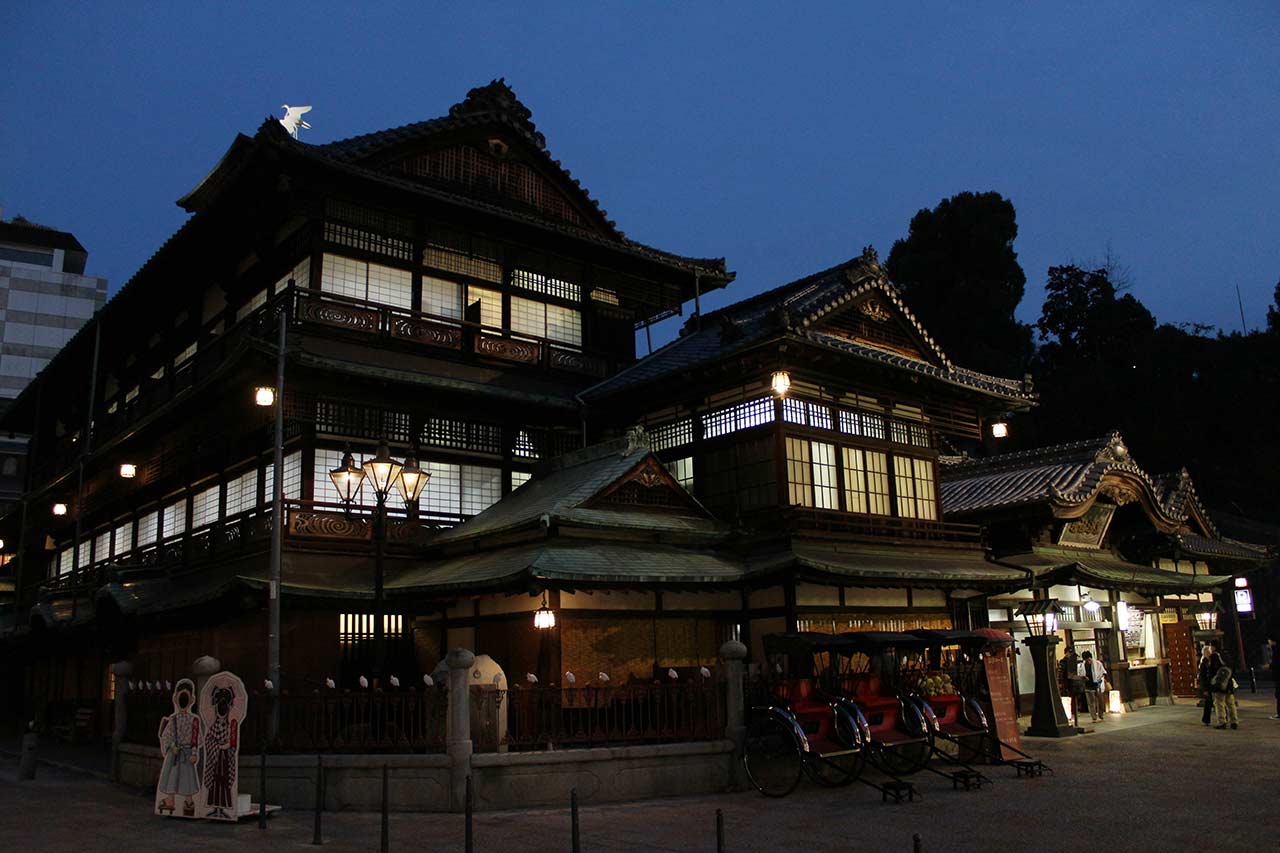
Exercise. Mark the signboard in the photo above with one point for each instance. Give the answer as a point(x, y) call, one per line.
point(1088, 530)
point(1244, 602)
point(1004, 716)
point(200, 748)
point(1168, 617)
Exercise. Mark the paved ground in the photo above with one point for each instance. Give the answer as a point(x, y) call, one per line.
point(1155, 780)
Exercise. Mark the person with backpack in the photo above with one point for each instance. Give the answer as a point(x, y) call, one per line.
point(1204, 678)
point(1275, 672)
point(1095, 685)
point(1224, 694)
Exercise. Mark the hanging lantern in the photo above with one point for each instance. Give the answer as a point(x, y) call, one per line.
point(264, 395)
point(383, 470)
point(59, 509)
point(412, 480)
point(781, 382)
point(1000, 429)
point(545, 618)
point(347, 478)
point(1206, 617)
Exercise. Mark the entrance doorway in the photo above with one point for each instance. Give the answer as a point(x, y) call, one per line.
point(1181, 650)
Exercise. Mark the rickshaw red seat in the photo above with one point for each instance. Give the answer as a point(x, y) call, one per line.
point(799, 694)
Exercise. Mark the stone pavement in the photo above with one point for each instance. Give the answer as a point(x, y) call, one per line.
point(1156, 780)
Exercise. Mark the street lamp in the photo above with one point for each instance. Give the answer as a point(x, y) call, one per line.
point(383, 474)
point(128, 470)
point(59, 509)
point(1048, 719)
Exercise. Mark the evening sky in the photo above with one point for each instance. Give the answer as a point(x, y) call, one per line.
point(784, 137)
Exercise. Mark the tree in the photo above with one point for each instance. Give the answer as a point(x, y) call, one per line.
point(1273, 312)
point(1085, 317)
point(960, 276)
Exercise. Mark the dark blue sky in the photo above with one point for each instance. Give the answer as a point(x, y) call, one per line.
point(785, 141)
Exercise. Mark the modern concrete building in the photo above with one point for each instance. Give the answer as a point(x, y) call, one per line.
point(45, 297)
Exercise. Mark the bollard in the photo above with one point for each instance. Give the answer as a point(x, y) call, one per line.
point(27, 763)
point(316, 837)
point(719, 830)
point(469, 841)
point(262, 789)
point(575, 843)
point(386, 821)
point(916, 845)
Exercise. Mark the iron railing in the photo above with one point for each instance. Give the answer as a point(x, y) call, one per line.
point(554, 717)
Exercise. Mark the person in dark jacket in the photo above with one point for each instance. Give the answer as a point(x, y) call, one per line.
point(1204, 679)
point(1275, 673)
point(1223, 687)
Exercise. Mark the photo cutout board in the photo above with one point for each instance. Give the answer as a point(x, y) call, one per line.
point(223, 705)
point(180, 789)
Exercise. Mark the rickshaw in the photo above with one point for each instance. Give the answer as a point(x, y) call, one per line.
point(879, 672)
point(802, 727)
point(953, 686)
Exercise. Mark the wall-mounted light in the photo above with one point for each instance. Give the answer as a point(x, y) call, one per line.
point(544, 618)
point(1122, 615)
point(264, 395)
point(128, 470)
point(1, 543)
point(1241, 583)
point(59, 509)
point(1206, 616)
point(781, 382)
point(999, 429)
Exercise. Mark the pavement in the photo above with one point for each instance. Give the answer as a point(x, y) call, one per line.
point(1155, 779)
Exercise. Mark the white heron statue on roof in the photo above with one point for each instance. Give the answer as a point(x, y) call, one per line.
point(292, 119)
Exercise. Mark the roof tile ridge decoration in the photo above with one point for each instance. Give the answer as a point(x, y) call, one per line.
point(864, 274)
point(495, 103)
point(766, 297)
point(974, 466)
point(1184, 497)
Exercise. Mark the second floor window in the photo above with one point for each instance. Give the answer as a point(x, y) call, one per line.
point(913, 479)
point(369, 282)
point(543, 320)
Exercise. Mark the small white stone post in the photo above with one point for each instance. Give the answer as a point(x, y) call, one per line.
point(734, 655)
point(458, 730)
point(122, 670)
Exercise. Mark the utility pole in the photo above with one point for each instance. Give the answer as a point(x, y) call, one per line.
point(277, 528)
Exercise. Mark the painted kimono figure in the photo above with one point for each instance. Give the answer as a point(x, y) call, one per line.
point(180, 743)
point(221, 751)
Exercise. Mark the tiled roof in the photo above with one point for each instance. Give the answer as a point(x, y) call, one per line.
point(1065, 473)
point(867, 565)
point(1104, 569)
point(795, 310)
point(558, 491)
point(568, 562)
point(1231, 549)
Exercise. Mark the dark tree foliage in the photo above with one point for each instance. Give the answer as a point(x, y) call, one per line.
point(960, 275)
point(1179, 396)
point(1273, 312)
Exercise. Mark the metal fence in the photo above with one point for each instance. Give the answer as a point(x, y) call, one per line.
point(412, 721)
point(554, 717)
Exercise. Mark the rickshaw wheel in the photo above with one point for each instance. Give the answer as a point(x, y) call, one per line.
point(771, 757)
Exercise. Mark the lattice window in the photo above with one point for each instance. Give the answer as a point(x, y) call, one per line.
point(542, 320)
point(326, 460)
point(102, 546)
point(804, 412)
point(481, 488)
point(638, 494)
point(148, 526)
point(122, 543)
point(66, 558)
point(175, 519)
point(540, 283)
point(674, 434)
point(443, 492)
point(866, 481)
point(811, 474)
point(255, 302)
point(84, 553)
point(914, 480)
point(442, 298)
point(471, 436)
point(355, 628)
point(242, 493)
point(519, 478)
point(368, 241)
point(867, 424)
point(490, 306)
point(524, 447)
point(300, 275)
point(335, 417)
point(907, 432)
point(603, 294)
point(369, 282)
point(682, 470)
point(449, 260)
point(204, 507)
point(292, 478)
point(744, 415)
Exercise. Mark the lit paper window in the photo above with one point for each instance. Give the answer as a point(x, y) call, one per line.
point(147, 527)
point(175, 519)
point(123, 541)
point(490, 306)
point(441, 298)
point(204, 507)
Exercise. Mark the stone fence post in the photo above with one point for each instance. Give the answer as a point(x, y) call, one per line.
point(458, 728)
point(202, 669)
point(734, 655)
point(122, 670)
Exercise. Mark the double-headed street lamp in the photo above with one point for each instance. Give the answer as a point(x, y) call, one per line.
point(383, 474)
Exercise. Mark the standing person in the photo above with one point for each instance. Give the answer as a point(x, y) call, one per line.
point(1069, 682)
point(1224, 695)
point(1275, 673)
point(1203, 679)
point(1095, 681)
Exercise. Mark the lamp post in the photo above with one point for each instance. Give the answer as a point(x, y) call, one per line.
point(383, 474)
point(1048, 719)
